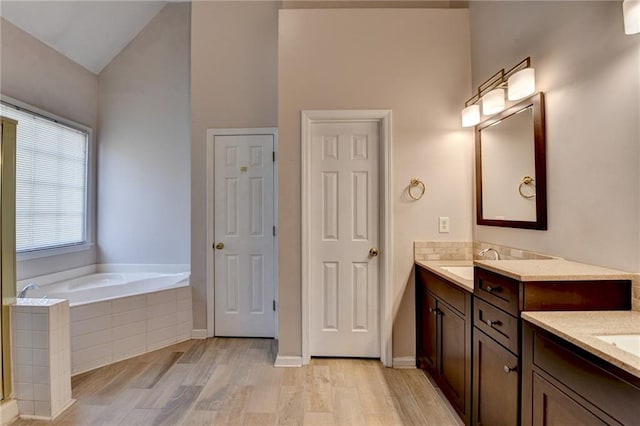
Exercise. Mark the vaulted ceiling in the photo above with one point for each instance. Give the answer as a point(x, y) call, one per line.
point(90, 33)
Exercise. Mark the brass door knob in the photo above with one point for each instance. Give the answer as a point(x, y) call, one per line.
point(508, 369)
point(219, 246)
point(373, 252)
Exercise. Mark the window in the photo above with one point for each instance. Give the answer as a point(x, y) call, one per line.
point(51, 181)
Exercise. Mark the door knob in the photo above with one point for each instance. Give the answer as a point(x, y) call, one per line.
point(373, 252)
point(219, 246)
point(508, 369)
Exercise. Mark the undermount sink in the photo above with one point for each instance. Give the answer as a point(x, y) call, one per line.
point(627, 342)
point(464, 272)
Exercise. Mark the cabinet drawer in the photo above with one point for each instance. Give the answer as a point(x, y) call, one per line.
point(497, 324)
point(449, 293)
point(588, 377)
point(500, 291)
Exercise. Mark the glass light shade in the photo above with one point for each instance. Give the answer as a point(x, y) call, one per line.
point(631, 11)
point(471, 115)
point(521, 84)
point(493, 102)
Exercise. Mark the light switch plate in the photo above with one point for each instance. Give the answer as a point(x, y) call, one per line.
point(443, 224)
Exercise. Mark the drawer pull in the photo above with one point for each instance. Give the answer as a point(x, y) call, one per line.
point(492, 323)
point(508, 369)
point(494, 289)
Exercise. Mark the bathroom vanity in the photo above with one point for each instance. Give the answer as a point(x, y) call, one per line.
point(443, 333)
point(478, 331)
point(574, 372)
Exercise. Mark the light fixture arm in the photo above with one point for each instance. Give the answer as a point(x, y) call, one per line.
point(497, 80)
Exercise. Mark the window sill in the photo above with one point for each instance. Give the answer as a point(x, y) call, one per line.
point(53, 252)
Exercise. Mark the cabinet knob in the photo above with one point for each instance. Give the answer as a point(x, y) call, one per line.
point(494, 289)
point(508, 369)
point(434, 311)
point(492, 323)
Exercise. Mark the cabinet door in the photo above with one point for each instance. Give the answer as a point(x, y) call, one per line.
point(495, 383)
point(553, 407)
point(427, 340)
point(452, 355)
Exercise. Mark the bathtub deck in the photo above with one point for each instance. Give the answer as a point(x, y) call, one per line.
point(233, 381)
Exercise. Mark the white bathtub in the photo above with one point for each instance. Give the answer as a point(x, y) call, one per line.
point(102, 286)
point(120, 311)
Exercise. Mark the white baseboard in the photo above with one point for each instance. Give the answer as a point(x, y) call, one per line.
point(8, 412)
point(288, 361)
point(199, 333)
point(404, 362)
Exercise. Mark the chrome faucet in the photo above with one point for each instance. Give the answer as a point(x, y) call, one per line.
point(31, 286)
point(487, 250)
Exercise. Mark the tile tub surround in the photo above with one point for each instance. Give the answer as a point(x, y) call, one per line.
point(41, 354)
point(113, 330)
point(580, 328)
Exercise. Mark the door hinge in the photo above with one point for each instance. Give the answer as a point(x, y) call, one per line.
point(274, 306)
point(273, 156)
point(274, 231)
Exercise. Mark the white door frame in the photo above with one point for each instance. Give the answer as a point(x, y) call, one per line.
point(383, 117)
point(210, 279)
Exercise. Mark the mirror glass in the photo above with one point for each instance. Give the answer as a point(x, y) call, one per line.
point(510, 167)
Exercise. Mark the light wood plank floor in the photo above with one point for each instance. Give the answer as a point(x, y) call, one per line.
point(233, 382)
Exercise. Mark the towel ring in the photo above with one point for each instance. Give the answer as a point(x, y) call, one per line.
point(415, 182)
point(527, 180)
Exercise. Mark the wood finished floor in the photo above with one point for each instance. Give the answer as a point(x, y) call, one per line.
point(224, 381)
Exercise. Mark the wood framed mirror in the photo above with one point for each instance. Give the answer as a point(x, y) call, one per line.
point(511, 170)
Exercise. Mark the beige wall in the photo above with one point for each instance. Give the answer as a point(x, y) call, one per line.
point(590, 73)
point(34, 73)
point(233, 84)
point(415, 62)
point(144, 158)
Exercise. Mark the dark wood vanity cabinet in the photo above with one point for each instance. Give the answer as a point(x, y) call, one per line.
point(497, 339)
point(443, 337)
point(565, 385)
point(495, 382)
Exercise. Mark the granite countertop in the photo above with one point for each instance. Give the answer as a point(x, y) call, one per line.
point(551, 270)
point(435, 266)
point(580, 328)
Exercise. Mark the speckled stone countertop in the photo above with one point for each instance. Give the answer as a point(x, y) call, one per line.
point(551, 270)
point(580, 328)
point(435, 266)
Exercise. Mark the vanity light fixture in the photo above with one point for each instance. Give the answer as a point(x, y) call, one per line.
point(471, 115)
point(631, 11)
point(521, 84)
point(493, 102)
point(519, 81)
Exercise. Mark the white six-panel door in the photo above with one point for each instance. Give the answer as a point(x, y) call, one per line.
point(344, 287)
point(244, 236)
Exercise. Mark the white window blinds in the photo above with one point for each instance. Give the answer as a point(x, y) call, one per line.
point(51, 182)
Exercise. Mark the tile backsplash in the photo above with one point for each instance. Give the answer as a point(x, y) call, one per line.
point(635, 293)
point(507, 252)
point(442, 250)
point(467, 250)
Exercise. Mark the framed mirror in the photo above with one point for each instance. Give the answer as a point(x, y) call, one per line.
point(511, 171)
